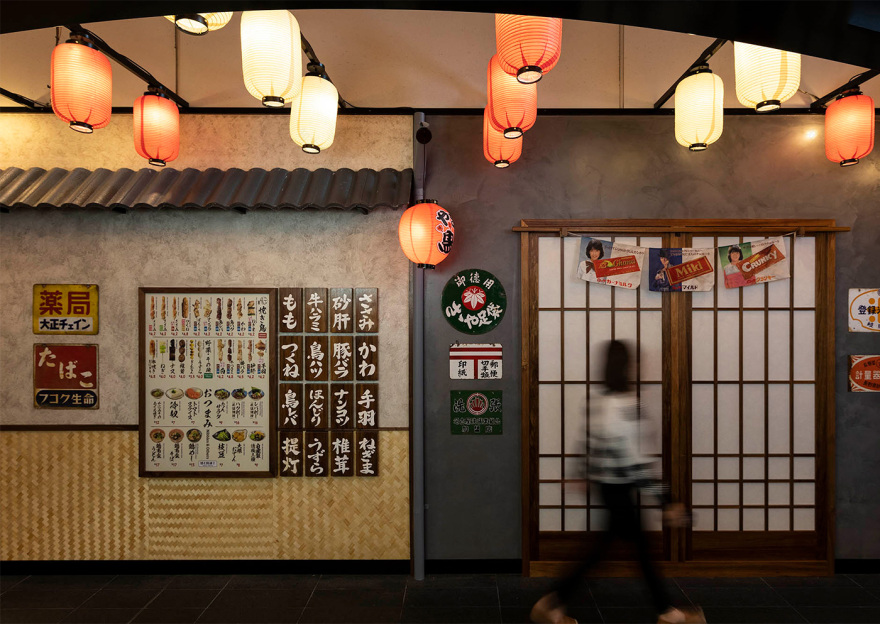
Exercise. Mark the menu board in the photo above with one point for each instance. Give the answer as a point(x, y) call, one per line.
point(207, 386)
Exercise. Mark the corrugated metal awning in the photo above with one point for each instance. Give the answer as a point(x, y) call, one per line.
point(237, 189)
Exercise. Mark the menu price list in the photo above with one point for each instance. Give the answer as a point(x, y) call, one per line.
point(207, 381)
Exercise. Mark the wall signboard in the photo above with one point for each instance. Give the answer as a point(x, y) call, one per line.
point(66, 376)
point(475, 361)
point(474, 301)
point(864, 310)
point(328, 394)
point(476, 412)
point(207, 382)
point(65, 309)
point(864, 373)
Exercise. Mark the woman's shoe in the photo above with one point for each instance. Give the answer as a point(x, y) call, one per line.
point(682, 616)
point(544, 612)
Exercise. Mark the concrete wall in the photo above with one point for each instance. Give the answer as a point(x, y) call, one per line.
point(630, 167)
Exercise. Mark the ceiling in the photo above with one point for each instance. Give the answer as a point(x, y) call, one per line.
point(406, 58)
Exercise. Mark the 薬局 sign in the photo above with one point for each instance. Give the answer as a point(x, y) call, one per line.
point(476, 412)
point(475, 361)
point(66, 376)
point(864, 373)
point(65, 308)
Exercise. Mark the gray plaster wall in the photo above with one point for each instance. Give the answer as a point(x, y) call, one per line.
point(629, 167)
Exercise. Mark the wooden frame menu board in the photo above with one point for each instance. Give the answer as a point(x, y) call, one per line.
point(207, 382)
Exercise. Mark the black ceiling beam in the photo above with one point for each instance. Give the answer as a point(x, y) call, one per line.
point(78, 31)
point(842, 31)
point(701, 60)
point(25, 101)
point(819, 105)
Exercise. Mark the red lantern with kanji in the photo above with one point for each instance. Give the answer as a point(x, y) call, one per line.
point(528, 47)
point(499, 151)
point(156, 128)
point(849, 128)
point(426, 233)
point(513, 106)
point(81, 84)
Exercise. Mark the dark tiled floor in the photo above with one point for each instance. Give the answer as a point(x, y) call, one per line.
point(357, 599)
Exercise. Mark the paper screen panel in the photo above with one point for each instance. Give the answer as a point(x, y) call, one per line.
point(575, 368)
point(779, 343)
point(548, 272)
point(728, 419)
point(728, 468)
point(549, 468)
point(575, 519)
point(804, 418)
point(753, 468)
point(550, 494)
point(549, 420)
point(625, 324)
point(600, 295)
point(651, 343)
point(600, 334)
point(804, 272)
point(805, 519)
point(575, 419)
point(779, 294)
point(753, 345)
point(753, 418)
point(804, 468)
point(728, 346)
point(574, 289)
point(703, 349)
point(804, 345)
point(651, 432)
point(549, 520)
point(778, 419)
point(703, 468)
point(703, 419)
point(549, 343)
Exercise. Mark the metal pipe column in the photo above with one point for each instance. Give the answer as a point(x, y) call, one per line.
point(418, 378)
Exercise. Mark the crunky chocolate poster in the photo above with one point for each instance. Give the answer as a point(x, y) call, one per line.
point(207, 382)
point(756, 262)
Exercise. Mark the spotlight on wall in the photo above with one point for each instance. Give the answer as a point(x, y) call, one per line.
point(200, 23)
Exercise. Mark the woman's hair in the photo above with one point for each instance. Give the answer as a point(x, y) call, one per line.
point(617, 367)
point(663, 254)
point(594, 244)
point(733, 249)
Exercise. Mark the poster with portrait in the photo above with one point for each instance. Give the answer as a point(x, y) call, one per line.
point(747, 264)
point(611, 263)
point(677, 269)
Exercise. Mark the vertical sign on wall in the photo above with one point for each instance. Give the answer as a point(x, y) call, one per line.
point(329, 371)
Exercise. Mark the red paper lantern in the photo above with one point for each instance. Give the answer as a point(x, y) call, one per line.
point(499, 151)
point(81, 84)
point(849, 128)
point(528, 47)
point(426, 233)
point(513, 106)
point(156, 128)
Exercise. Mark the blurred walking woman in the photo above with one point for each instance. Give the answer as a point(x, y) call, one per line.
point(618, 469)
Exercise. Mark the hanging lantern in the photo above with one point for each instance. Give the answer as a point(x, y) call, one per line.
point(426, 233)
point(849, 128)
point(200, 23)
point(313, 112)
point(499, 151)
point(765, 78)
point(699, 109)
point(156, 128)
point(270, 56)
point(81, 85)
point(527, 47)
point(513, 107)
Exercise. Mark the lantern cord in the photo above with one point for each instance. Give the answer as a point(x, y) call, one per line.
point(127, 63)
point(819, 105)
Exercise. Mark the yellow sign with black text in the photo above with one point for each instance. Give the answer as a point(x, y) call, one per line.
point(65, 309)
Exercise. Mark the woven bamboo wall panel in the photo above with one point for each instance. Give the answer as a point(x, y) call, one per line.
point(70, 495)
point(77, 496)
point(349, 518)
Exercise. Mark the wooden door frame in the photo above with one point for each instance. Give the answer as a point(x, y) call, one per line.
point(676, 389)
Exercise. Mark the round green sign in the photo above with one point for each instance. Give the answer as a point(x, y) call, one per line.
point(474, 301)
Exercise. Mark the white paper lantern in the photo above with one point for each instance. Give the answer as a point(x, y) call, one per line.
point(200, 23)
point(699, 110)
point(765, 78)
point(271, 56)
point(313, 114)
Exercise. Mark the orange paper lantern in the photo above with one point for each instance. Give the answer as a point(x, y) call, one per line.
point(156, 128)
point(426, 233)
point(81, 84)
point(528, 47)
point(513, 106)
point(499, 151)
point(849, 128)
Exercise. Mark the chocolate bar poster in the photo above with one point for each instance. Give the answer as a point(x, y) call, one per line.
point(677, 269)
point(756, 262)
point(611, 263)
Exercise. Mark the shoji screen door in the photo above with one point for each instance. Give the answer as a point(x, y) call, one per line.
point(736, 395)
